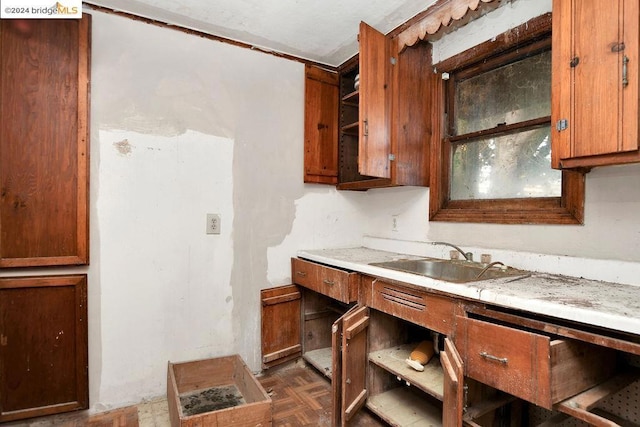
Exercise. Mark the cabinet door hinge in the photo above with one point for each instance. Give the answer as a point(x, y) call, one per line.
point(393, 60)
point(562, 124)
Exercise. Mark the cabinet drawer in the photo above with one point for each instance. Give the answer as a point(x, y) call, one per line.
point(332, 282)
point(528, 365)
point(434, 312)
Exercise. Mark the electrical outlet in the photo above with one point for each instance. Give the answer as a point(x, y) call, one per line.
point(394, 223)
point(213, 224)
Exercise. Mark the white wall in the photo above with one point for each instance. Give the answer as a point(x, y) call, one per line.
point(182, 126)
point(612, 226)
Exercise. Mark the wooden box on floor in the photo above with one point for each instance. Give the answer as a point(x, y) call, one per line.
point(187, 378)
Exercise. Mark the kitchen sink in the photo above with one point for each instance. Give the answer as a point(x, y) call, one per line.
point(450, 271)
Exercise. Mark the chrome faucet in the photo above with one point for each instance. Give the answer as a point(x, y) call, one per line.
point(467, 255)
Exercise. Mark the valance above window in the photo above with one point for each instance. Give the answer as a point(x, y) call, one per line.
point(440, 14)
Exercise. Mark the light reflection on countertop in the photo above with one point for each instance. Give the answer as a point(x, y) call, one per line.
point(609, 305)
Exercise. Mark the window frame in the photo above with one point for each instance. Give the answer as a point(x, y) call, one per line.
point(566, 209)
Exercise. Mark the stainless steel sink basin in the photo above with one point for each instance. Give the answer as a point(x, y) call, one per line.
point(450, 271)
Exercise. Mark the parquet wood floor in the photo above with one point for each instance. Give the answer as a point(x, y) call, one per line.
point(302, 397)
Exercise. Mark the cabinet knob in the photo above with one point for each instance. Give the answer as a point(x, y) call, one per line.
point(574, 62)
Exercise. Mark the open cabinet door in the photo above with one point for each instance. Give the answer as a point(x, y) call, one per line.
point(280, 315)
point(349, 364)
point(375, 103)
point(453, 402)
point(354, 362)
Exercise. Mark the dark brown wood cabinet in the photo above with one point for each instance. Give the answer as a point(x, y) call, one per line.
point(280, 325)
point(595, 83)
point(491, 365)
point(384, 123)
point(43, 346)
point(321, 126)
point(44, 150)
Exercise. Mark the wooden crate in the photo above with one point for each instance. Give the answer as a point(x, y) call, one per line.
point(208, 376)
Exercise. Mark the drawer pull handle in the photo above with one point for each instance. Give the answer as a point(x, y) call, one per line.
point(328, 282)
point(301, 274)
point(488, 356)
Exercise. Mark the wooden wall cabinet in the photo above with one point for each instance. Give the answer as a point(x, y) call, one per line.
point(43, 346)
point(321, 126)
point(44, 149)
point(594, 111)
point(384, 125)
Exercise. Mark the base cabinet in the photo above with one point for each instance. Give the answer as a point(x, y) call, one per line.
point(489, 367)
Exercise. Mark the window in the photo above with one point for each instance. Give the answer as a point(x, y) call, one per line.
point(493, 155)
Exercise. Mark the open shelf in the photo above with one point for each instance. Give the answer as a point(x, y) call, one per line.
point(351, 128)
point(402, 407)
point(320, 359)
point(431, 380)
point(352, 98)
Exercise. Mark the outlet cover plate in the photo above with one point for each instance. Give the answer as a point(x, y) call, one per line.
point(213, 223)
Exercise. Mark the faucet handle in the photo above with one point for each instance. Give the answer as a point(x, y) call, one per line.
point(454, 255)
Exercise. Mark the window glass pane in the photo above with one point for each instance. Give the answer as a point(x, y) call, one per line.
point(517, 165)
point(510, 94)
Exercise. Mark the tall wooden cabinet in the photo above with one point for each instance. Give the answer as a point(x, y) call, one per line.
point(384, 123)
point(44, 215)
point(44, 150)
point(595, 83)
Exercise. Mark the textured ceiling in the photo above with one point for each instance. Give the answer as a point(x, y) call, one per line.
point(323, 31)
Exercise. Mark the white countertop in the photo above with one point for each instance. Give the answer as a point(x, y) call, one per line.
point(604, 304)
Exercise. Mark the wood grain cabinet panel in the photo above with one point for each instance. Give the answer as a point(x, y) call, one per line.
point(529, 365)
point(595, 83)
point(338, 284)
point(43, 346)
point(431, 311)
point(321, 126)
point(385, 122)
point(281, 329)
point(44, 143)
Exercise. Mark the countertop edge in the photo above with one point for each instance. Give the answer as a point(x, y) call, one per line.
point(487, 291)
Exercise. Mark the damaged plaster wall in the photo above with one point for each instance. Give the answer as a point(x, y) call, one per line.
point(182, 126)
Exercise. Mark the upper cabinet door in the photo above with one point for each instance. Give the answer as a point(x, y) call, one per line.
point(321, 126)
point(44, 150)
point(375, 103)
point(595, 83)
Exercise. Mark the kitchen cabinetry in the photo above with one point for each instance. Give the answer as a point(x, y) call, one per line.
point(297, 319)
point(595, 83)
point(44, 149)
point(43, 346)
point(321, 126)
point(385, 123)
point(491, 364)
point(531, 365)
point(560, 368)
point(393, 320)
